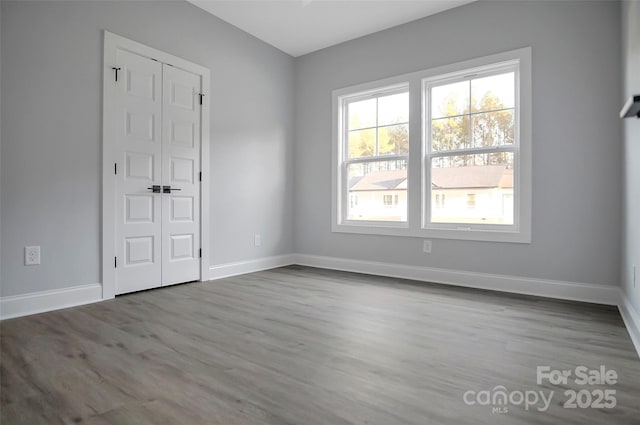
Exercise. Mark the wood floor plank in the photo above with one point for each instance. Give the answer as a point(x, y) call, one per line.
point(305, 346)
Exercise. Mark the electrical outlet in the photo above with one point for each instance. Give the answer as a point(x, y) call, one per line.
point(31, 255)
point(426, 246)
point(257, 240)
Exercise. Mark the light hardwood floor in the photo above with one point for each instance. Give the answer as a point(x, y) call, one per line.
point(304, 346)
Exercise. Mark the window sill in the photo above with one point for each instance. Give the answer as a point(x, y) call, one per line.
point(483, 235)
point(402, 229)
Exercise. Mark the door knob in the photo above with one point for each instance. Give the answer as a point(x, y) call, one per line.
point(168, 189)
point(155, 188)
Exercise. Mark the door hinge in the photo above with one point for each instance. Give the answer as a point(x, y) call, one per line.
point(115, 168)
point(200, 175)
point(116, 69)
point(201, 96)
point(200, 252)
point(115, 262)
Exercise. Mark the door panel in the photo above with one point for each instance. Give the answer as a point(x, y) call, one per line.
point(139, 250)
point(139, 147)
point(182, 208)
point(140, 125)
point(182, 134)
point(139, 209)
point(139, 166)
point(181, 246)
point(180, 169)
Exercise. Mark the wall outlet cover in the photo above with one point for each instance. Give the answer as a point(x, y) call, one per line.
point(31, 255)
point(426, 246)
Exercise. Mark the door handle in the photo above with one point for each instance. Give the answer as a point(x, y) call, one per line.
point(168, 189)
point(155, 188)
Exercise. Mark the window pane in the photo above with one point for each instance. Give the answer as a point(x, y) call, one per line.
point(378, 191)
point(473, 189)
point(493, 128)
point(393, 109)
point(362, 114)
point(393, 139)
point(362, 143)
point(450, 133)
point(450, 100)
point(495, 92)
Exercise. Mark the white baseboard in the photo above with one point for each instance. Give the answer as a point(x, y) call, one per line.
point(250, 266)
point(631, 320)
point(600, 294)
point(56, 299)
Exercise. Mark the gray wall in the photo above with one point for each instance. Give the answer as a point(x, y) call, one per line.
point(51, 133)
point(631, 153)
point(576, 135)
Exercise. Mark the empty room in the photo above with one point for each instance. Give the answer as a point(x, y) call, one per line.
point(320, 212)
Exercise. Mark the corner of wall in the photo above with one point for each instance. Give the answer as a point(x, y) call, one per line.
point(630, 237)
point(631, 319)
point(630, 234)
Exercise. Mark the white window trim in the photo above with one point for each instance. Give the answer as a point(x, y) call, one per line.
point(415, 225)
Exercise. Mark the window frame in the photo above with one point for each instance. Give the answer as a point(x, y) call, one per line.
point(452, 78)
point(393, 86)
point(418, 204)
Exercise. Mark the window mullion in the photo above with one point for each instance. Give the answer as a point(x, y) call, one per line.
point(470, 129)
point(377, 151)
point(462, 115)
point(377, 159)
point(474, 151)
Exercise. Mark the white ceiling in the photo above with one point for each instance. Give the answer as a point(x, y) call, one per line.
point(298, 27)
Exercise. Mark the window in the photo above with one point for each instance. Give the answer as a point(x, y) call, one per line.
point(466, 175)
point(390, 200)
point(472, 139)
point(375, 149)
point(471, 200)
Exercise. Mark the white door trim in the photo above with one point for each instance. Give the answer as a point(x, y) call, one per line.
point(112, 42)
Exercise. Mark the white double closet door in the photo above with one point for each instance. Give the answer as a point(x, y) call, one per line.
point(157, 174)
